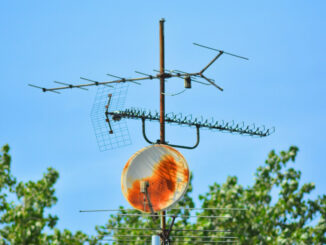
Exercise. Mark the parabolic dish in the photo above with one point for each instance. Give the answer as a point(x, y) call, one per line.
point(166, 172)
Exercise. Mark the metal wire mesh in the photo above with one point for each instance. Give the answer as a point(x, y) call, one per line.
point(120, 136)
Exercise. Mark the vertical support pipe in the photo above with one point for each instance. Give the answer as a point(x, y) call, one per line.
point(155, 240)
point(162, 103)
point(162, 83)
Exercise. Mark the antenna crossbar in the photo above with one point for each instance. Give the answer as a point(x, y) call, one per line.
point(161, 75)
point(221, 51)
point(231, 127)
point(70, 85)
point(94, 83)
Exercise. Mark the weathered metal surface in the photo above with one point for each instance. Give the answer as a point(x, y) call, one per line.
point(164, 168)
point(162, 102)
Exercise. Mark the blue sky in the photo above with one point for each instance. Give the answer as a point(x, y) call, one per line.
point(282, 85)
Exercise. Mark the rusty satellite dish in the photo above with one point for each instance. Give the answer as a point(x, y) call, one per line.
point(155, 178)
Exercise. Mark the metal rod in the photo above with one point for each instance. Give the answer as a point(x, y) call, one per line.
point(211, 82)
point(221, 237)
point(158, 229)
point(122, 78)
point(175, 71)
point(34, 86)
point(238, 56)
point(174, 242)
point(125, 241)
point(144, 132)
point(95, 82)
point(117, 210)
point(177, 216)
point(162, 103)
point(149, 200)
point(70, 85)
point(210, 63)
point(145, 74)
point(107, 114)
point(185, 241)
point(189, 147)
point(44, 89)
point(162, 84)
point(184, 74)
point(90, 80)
point(114, 76)
point(239, 209)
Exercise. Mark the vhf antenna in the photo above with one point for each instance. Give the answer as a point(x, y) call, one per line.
point(107, 112)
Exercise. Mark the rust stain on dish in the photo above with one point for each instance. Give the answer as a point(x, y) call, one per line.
point(126, 166)
point(162, 185)
point(170, 148)
point(186, 175)
point(124, 171)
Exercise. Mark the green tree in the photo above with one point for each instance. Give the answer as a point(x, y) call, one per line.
point(290, 218)
point(23, 220)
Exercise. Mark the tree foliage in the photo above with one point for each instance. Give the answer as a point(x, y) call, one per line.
point(278, 210)
point(23, 220)
point(289, 217)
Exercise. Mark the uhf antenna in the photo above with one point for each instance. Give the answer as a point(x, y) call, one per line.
point(108, 109)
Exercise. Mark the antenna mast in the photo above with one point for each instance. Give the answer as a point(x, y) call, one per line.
point(108, 110)
point(162, 103)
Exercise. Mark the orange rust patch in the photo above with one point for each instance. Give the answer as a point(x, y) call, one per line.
point(126, 166)
point(186, 174)
point(162, 185)
point(171, 149)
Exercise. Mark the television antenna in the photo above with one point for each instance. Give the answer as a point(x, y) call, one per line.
point(108, 109)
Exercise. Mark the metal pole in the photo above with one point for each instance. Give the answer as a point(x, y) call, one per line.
point(162, 83)
point(162, 103)
point(155, 240)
